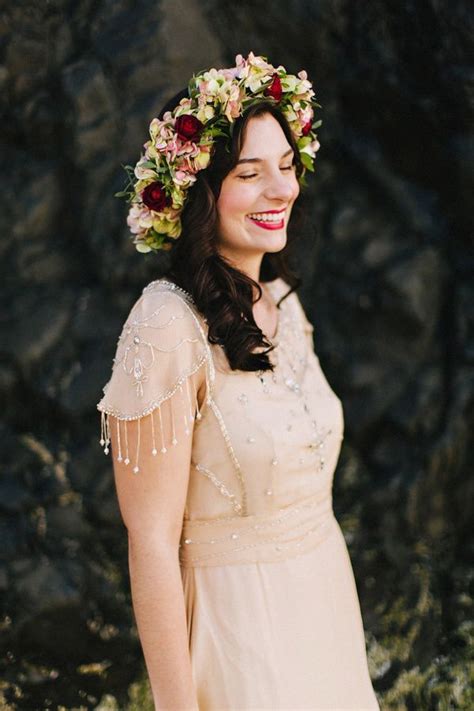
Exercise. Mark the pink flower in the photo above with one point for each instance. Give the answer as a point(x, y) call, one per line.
point(139, 219)
point(183, 178)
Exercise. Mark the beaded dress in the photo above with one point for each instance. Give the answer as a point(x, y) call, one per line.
point(273, 615)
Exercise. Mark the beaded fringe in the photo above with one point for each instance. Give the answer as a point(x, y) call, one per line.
point(191, 413)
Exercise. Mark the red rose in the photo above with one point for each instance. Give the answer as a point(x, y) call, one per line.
point(307, 127)
point(274, 90)
point(155, 198)
point(188, 127)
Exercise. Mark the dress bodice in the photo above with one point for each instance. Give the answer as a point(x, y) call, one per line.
point(265, 444)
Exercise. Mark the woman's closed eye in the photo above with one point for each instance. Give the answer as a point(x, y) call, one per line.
point(252, 175)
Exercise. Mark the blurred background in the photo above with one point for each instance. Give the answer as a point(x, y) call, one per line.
point(387, 260)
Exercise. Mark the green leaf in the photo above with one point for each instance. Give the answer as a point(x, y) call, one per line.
point(307, 161)
point(302, 181)
point(304, 141)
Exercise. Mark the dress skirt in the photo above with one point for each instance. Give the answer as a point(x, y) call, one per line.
point(279, 635)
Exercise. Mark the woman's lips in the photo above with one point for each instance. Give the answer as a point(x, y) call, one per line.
point(267, 225)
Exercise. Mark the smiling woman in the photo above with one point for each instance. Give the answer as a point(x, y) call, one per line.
point(228, 250)
point(254, 207)
point(242, 586)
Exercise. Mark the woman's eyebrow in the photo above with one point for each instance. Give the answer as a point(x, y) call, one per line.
point(259, 160)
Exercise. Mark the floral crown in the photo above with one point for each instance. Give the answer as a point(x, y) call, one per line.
point(181, 143)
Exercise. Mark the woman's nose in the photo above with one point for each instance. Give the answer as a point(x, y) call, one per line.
point(279, 186)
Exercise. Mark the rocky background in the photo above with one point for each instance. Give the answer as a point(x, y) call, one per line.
point(387, 261)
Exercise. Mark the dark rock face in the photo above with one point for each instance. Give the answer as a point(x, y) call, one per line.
point(387, 261)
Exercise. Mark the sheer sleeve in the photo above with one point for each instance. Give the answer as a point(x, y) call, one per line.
point(155, 377)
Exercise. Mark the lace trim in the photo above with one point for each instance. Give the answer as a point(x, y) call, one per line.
point(188, 416)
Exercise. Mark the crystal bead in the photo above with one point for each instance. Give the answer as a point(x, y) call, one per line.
point(102, 442)
point(126, 460)
point(269, 492)
point(136, 339)
point(187, 540)
point(136, 470)
point(250, 439)
point(154, 451)
point(274, 462)
point(235, 535)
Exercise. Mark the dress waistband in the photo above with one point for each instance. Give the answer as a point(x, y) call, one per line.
point(269, 537)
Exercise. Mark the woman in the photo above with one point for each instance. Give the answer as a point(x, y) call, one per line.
point(224, 431)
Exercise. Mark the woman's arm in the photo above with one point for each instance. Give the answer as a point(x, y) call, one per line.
point(152, 506)
point(158, 604)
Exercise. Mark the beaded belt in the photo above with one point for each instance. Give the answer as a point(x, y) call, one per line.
point(259, 538)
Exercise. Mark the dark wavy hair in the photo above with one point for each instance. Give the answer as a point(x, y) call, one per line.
point(222, 293)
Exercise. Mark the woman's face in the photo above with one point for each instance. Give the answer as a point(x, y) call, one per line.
point(257, 196)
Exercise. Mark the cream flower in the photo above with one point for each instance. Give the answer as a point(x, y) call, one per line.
point(311, 148)
point(143, 173)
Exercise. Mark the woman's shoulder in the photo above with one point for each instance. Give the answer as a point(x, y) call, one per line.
point(161, 345)
point(166, 290)
point(167, 286)
point(168, 295)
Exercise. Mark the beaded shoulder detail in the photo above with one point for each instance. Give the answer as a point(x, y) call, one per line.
point(169, 285)
point(161, 345)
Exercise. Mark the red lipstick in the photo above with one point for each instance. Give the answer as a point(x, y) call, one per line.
point(267, 225)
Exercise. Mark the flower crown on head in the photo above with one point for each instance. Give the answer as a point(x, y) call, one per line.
point(181, 143)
